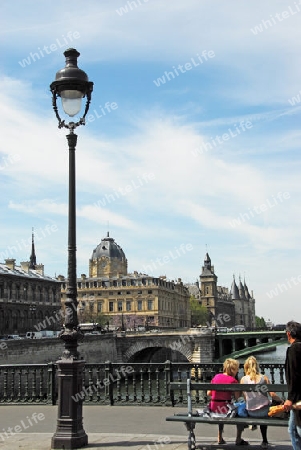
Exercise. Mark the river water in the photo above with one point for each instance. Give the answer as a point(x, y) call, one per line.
point(277, 356)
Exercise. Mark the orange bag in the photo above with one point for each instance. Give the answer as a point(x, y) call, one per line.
point(276, 410)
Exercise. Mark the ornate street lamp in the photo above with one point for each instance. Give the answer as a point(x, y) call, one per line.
point(71, 85)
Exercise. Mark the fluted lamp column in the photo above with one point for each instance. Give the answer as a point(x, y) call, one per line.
point(71, 85)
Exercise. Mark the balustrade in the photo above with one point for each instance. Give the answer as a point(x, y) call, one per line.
point(115, 384)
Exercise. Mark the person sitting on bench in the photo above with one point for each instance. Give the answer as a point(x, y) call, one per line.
point(257, 402)
point(220, 399)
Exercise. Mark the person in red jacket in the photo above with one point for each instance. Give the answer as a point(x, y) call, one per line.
point(220, 399)
point(293, 379)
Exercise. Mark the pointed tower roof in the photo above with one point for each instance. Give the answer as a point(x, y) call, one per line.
point(241, 289)
point(234, 290)
point(207, 269)
point(247, 294)
point(32, 259)
point(207, 261)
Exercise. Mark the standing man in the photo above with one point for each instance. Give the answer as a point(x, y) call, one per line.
point(293, 379)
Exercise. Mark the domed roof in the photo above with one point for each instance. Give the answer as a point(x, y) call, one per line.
point(108, 248)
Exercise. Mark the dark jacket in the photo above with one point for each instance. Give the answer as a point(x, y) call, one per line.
point(293, 375)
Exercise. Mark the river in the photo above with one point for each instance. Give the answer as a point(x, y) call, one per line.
point(277, 356)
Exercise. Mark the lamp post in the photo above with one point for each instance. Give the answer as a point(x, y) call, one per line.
point(71, 84)
point(122, 323)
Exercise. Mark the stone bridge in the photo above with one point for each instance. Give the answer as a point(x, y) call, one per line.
point(191, 345)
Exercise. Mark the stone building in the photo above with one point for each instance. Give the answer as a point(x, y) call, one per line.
point(226, 308)
point(130, 299)
point(244, 304)
point(28, 297)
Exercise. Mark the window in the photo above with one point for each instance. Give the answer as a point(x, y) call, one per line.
point(139, 292)
point(99, 306)
point(111, 306)
point(128, 305)
point(119, 292)
point(139, 305)
point(149, 291)
point(128, 292)
point(150, 305)
point(111, 293)
point(119, 306)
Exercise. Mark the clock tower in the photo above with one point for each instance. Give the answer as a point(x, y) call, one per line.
point(208, 287)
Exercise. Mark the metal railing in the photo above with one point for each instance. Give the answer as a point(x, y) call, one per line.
point(113, 383)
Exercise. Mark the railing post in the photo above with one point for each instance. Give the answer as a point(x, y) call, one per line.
point(51, 384)
point(109, 398)
point(168, 377)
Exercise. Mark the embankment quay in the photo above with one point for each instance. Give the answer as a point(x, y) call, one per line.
point(139, 428)
point(182, 345)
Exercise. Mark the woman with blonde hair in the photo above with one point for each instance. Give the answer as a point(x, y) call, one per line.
point(258, 402)
point(220, 399)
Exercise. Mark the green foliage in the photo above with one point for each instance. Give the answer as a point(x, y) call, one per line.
point(102, 319)
point(260, 322)
point(199, 313)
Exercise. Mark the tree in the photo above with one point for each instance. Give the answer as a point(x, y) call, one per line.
point(102, 320)
point(260, 322)
point(199, 313)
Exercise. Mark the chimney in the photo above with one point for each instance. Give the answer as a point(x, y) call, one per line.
point(10, 263)
point(40, 269)
point(25, 266)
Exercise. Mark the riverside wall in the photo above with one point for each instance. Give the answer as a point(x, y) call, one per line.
point(38, 351)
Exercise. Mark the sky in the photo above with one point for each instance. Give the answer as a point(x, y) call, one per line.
point(191, 144)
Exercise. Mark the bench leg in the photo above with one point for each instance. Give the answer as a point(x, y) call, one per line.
point(191, 436)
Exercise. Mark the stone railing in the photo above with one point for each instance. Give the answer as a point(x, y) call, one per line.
point(113, 383)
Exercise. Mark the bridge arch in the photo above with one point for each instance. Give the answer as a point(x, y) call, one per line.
point(145, 351)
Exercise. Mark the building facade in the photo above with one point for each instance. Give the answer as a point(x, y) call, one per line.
point(130, 300)
point(226, 308)
point(28, 297)
point(244, 304)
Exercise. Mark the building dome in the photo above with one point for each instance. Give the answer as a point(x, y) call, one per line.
point(107, 260)
point(109, 249)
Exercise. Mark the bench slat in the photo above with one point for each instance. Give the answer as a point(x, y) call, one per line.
point(228, 387)
point(229, 420)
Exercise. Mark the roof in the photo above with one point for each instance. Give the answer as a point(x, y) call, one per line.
point(18, 271)
point(108, 248)
point(234, 290)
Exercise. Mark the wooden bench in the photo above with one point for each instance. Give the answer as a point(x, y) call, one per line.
point(191, 418)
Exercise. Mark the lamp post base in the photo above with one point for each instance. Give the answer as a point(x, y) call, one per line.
point(70, 433)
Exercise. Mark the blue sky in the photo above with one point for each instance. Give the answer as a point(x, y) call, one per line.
point(198, 150)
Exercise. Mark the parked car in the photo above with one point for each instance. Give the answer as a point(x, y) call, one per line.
point(33, 335)
point(239, 328)
point(13, 336)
